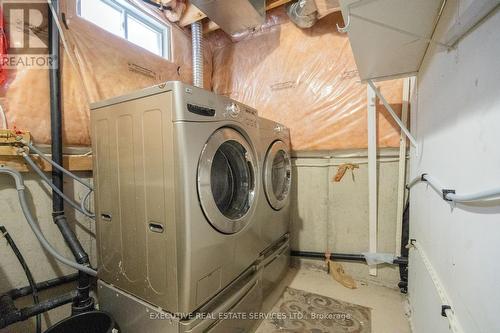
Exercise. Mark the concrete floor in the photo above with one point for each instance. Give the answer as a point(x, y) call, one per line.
point(388, 305)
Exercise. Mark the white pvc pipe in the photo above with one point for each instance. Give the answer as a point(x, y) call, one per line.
point(438, 187)
point(434, 183)
point(488, 194)
point(372, 175)
point(413, 182)
point(393, 114)
point(445, 300)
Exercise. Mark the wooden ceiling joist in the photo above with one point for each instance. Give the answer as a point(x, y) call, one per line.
point(191, 15)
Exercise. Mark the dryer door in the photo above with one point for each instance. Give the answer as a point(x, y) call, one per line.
point(277, 174)
point(226, 180)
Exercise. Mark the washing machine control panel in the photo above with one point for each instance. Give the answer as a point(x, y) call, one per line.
point(241, 113)
point(233, 110)
point(200, 110)
point(280, 131)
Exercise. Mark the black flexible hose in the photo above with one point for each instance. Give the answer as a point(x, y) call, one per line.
point(27, 271)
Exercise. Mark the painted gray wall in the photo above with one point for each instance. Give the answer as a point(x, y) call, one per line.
point(457, 123)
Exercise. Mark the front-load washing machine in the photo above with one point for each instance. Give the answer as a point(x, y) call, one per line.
point(177, 185)
point(274, 204)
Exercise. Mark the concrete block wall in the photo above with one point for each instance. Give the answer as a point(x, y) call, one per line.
point(42, 265)
point(333, 216)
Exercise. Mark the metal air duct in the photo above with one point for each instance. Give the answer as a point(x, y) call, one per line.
point(197, 50)
point(234, 16)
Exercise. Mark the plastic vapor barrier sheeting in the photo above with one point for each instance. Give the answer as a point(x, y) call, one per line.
point(305, 79)
point(105, 66)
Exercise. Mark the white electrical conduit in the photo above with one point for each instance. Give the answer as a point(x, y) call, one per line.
point(73, 204)
point(34, 224)
point(436, 185)
point(445, 300)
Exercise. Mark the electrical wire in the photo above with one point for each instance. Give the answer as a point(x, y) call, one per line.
point(81, 208)
point(27, 271)
point(34, 224)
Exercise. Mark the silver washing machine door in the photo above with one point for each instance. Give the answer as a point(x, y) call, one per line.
point(277, 174)
point(226, 180)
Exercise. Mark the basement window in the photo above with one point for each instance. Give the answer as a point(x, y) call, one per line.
point(125, 20)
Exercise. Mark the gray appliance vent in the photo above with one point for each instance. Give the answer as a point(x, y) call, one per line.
point(234, 16)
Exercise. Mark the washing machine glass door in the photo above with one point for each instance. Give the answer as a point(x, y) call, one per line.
point(277, 174)
point(226, 180)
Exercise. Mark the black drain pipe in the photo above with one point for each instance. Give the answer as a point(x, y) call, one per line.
point(40, 286)
point(83, 302)
point(342, 257)
point(15, 315)
point(405, 239)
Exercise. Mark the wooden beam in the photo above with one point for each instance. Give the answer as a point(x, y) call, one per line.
point(70, 162)
point(276, 3)
point(210, 26)
point(191, 15)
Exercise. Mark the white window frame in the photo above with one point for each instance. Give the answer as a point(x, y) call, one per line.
point(127, 10)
